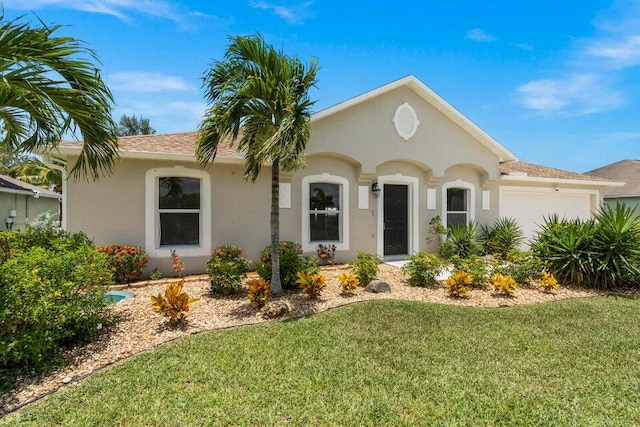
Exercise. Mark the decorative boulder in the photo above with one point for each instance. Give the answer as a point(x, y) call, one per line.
point(378, 286)
point(275, 309)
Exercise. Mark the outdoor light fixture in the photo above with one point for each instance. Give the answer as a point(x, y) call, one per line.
point(375, 189)
point(8, 221)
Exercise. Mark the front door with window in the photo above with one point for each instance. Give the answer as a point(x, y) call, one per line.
point(396, 219)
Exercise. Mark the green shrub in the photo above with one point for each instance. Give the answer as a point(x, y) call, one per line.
point(601, 252)
point(226, 268)
point(500, 238)
point(423, 268)
point(49, 300)
point(291, 263)
point(127, 262)
point(476, 267)
point(365, 267)
point(54, 239)
point(461, 241)
point(524, 267)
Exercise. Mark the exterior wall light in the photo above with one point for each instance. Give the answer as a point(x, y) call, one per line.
point(375, 189)
point(8, 222)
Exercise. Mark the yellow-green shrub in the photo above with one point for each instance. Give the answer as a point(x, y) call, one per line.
point(459, 284)
point(548, 282)
point(311, 284)
point(348, 281)
point(175, 303)
point(504, 284)
point(259, 291)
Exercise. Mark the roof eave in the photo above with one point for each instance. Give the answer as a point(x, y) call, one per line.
point(150, 155)
point(620, 196)
point(529, 179)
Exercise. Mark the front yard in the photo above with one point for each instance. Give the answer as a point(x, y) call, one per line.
point(570, 362)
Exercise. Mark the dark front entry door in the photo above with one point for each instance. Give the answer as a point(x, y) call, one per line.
point(396, 228)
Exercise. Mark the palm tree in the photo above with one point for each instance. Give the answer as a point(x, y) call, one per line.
point(36, 173)
point(259, 99)
point(49, 88)
point(131, 125)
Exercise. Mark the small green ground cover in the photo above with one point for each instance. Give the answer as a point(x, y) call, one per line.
point(379, 363)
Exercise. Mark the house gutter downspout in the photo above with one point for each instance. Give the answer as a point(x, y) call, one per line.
point(60, 165)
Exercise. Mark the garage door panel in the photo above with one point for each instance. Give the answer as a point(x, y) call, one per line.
point(530, 208)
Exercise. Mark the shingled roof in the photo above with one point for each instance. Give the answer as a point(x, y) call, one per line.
point(181, 143)
point(627, 171)
point(523, 169)
point(12, 185)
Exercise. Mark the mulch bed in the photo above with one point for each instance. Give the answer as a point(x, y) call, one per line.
point(138, 329)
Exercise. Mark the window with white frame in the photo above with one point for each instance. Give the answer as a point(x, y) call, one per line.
point(458, 203)
point(178, 212)
point(325, 211)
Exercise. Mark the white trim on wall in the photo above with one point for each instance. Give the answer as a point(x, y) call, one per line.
point(343, 244)
point(413, 210)
point(152, 218)
point(285, 195)
point(471, 202)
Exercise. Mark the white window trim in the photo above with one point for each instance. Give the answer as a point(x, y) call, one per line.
point(342, 245)
point(152, 216)
point(413, 212)
point(471, 203)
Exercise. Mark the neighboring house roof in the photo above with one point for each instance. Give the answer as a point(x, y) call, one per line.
point(627, 171)
point(435, 101)
point(12, 185)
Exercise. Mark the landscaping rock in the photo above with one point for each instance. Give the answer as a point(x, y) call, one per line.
point(378, 287)
point(275, 309)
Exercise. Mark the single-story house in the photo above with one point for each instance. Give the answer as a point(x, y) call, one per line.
point(380, 166)
point(627, 171)
point(20, 201)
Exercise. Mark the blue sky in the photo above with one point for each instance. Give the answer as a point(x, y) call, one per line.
point(557, 83)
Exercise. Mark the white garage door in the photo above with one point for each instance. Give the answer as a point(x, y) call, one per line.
point(530, 208)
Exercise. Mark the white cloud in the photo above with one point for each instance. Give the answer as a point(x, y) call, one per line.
point(617, 37)
point(137, 81)
point(621, 53)
point(577, 94)
point(479, 35)
point(293, 15)
point(118, 8)
point(165, 115)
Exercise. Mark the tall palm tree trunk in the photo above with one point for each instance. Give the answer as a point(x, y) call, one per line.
point(276, 285)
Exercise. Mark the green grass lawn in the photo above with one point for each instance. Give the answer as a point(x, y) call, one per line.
point(379, 363)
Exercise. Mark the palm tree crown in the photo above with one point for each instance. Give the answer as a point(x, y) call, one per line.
point(48, 88)
point(259, 99)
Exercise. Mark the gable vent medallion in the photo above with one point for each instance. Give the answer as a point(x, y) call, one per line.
point(406, 121)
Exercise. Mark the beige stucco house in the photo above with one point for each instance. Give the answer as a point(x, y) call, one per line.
point(423, 156)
